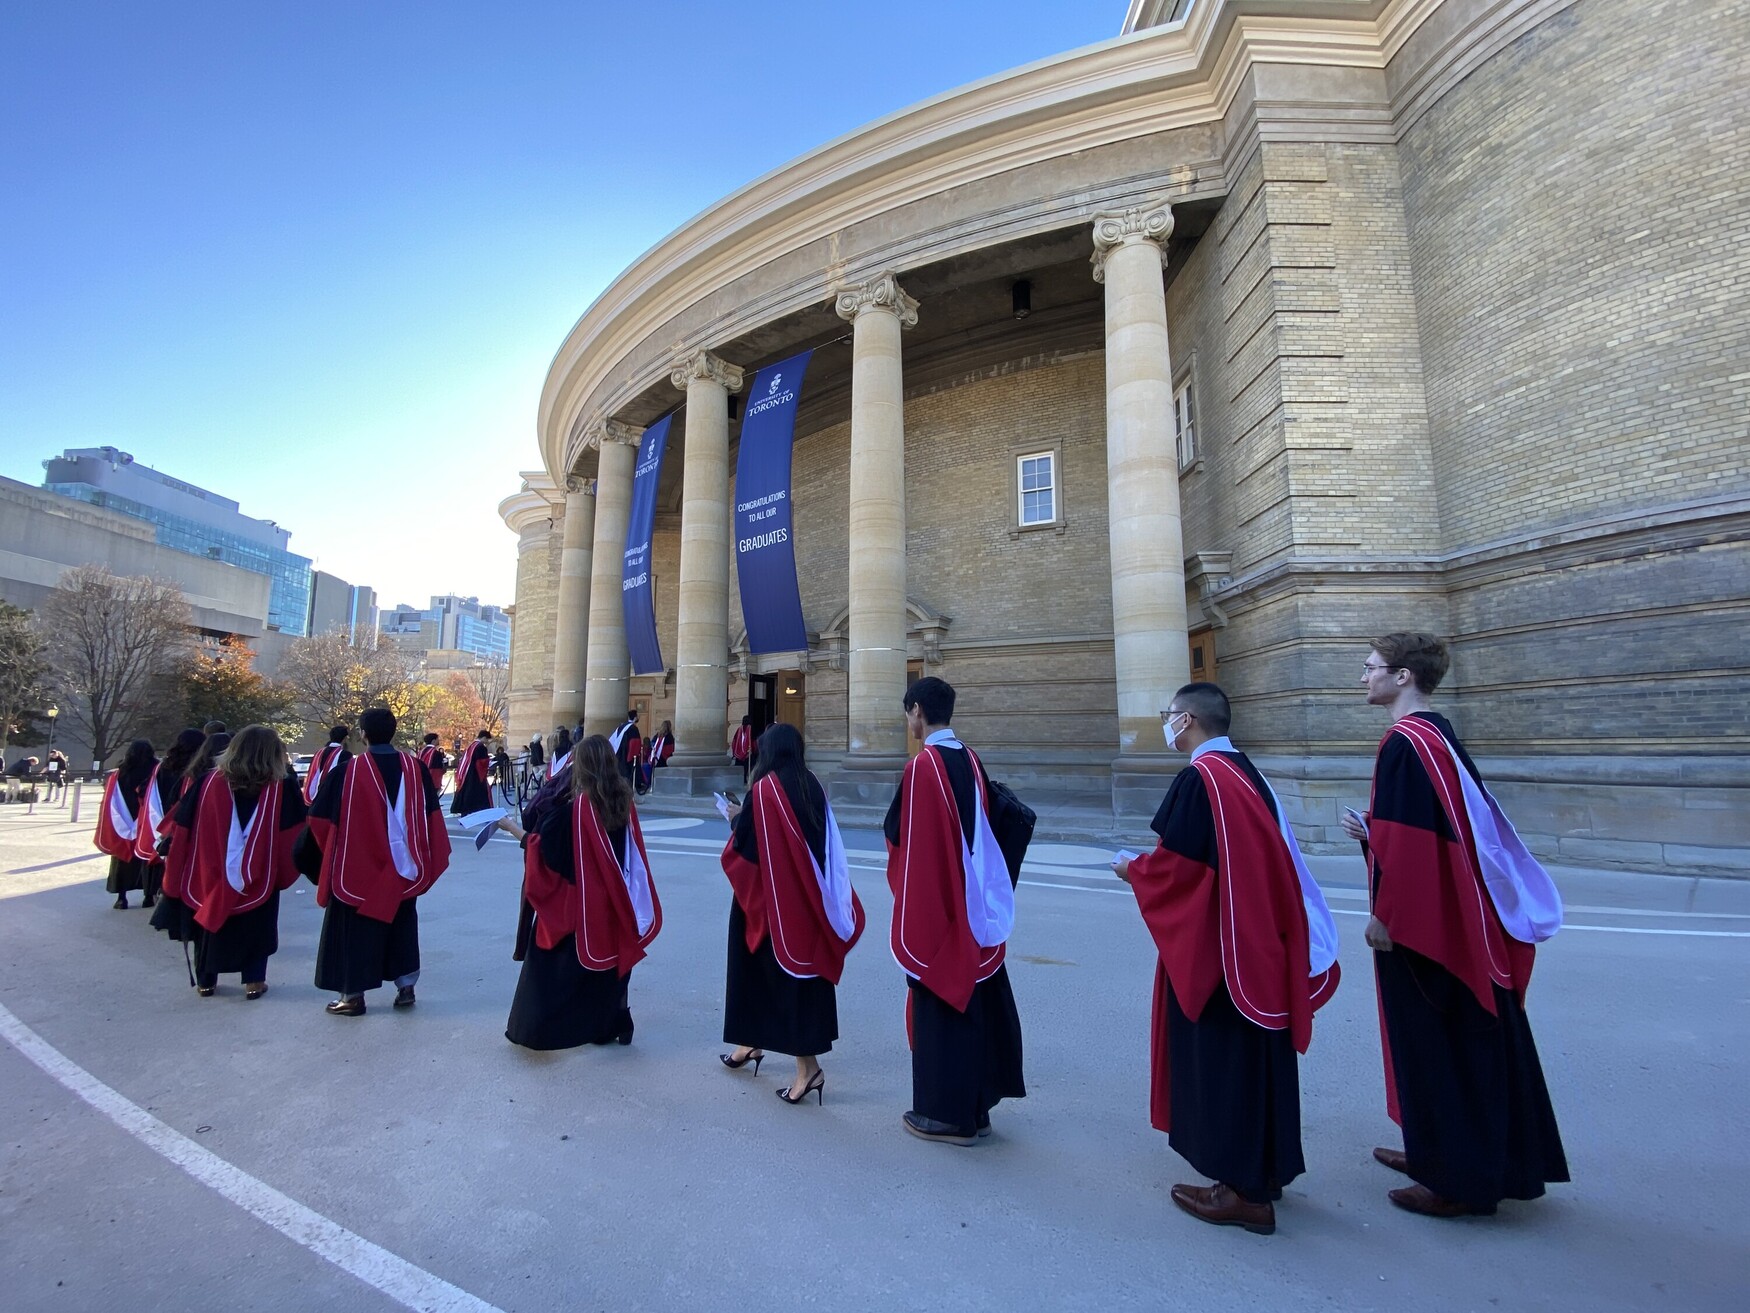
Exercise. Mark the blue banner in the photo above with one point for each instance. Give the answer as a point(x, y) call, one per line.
point(765, 553)
point(636, 593)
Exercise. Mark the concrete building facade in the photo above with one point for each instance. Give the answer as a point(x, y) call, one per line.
point(1214, 349)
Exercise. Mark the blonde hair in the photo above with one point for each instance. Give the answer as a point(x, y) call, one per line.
point(254, 759)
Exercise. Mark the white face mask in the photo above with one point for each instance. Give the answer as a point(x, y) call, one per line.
point(1172, 735)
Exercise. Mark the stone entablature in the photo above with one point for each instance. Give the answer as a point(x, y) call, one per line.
point(1235, 73)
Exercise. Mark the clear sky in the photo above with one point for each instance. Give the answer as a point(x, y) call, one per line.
point(317, 256)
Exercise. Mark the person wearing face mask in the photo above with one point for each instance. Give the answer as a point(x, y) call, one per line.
point(1458, 907)
point(1247, 953)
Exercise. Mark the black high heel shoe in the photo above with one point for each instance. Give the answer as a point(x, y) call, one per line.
point(816, 1086)
point(755, 1056)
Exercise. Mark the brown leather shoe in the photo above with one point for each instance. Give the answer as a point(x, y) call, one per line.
point(1420, 1199)
point(1221, 1205)
point(1396, 1159)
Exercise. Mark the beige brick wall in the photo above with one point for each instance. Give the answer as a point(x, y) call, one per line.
point(532, 627)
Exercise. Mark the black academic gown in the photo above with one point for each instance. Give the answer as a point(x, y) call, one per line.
point(126, 874)
point(355, 952)
point(1235, 1085)
point(471, 794)
point(962, 1063)
point(247, 939)
point(559, 1002)
point(1476, 1115)
point(764, 1006)
point(166, 786)
point(631, 751)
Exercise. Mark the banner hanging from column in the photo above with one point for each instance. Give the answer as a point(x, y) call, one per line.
point(637, 594)
point(765, 553)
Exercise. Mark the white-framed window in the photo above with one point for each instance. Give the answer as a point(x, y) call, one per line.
point(1184, 425)
point(1036, 488)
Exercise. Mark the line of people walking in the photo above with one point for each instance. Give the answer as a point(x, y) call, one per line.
point(1247, 947)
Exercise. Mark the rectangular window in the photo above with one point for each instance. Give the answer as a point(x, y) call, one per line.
point(1037, 488)
point(1184, 425)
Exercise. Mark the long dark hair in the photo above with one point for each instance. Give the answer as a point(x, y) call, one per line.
point(181, 753)
point(780, 751)
point(561, 743)
point(595, 774)
point(136, 765)
point(207, 754)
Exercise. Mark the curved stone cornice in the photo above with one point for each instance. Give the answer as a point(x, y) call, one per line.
point(702, 364)
point(1137, 85)
point(608, 432)
point(1139, 223)
point(538, 499)
point(883, 293)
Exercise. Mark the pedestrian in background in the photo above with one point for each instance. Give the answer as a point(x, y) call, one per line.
point(118, 820)
point(741, 747)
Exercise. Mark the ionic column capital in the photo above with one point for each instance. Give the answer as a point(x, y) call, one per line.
point(703, 365)
point(1139, 223)
point(576, 484)
point(883, 293)
point(609, 432)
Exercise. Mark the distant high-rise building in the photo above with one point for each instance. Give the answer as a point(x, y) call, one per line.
point(450, 622)
point(190, 519)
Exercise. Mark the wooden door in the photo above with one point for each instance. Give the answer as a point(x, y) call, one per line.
point(1203, 656)
point(791, 689)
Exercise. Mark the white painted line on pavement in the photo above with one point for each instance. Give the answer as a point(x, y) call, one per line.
point(400, 1280)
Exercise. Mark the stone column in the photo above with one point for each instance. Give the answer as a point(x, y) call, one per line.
point(878, 310)
point(607, 666)
point(571, 625)
point(1150, 650)
point(702, 635)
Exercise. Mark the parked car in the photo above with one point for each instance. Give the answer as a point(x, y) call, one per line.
point(301, 764)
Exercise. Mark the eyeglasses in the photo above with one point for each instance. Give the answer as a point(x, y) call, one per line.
point(1174, 715)
point(1369, 667)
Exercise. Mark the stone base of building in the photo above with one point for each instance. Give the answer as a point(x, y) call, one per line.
point(863, 782)
point(692, 780)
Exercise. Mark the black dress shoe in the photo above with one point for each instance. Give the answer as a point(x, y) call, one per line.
point(347, 1007)
point(625, 1035)
point(148, 901)
point(928, 1128)
point(121, 903)
point(404, 997)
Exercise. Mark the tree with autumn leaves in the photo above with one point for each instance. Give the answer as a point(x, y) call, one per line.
point(333, 681)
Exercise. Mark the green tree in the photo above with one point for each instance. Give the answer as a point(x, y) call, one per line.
point(24, 667)
point(220, 682)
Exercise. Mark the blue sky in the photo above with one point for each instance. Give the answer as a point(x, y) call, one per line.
point(318, 256)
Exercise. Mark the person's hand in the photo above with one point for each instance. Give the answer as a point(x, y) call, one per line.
point(731, 812)
point(1377, 936)
point(1355, 828)
point(1121, 869)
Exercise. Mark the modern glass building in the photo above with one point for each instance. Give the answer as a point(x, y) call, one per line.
point(190, 519)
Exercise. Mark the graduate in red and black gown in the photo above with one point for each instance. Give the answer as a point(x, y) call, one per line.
point(383, 843)
point(1458, 905)
point(1247, 952)
point(234, 834)
point(158, 805)
point(473, 793)
point(333, 753)
point(953, 908)
point(628, 745)
point(793, 918)
point(172, 915)
point(435, 761)
point(118, 821)
point(590, 909)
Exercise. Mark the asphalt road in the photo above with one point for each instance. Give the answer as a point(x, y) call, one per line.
point(650, 1178)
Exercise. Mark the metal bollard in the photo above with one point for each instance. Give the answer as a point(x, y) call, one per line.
point(78, 787)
